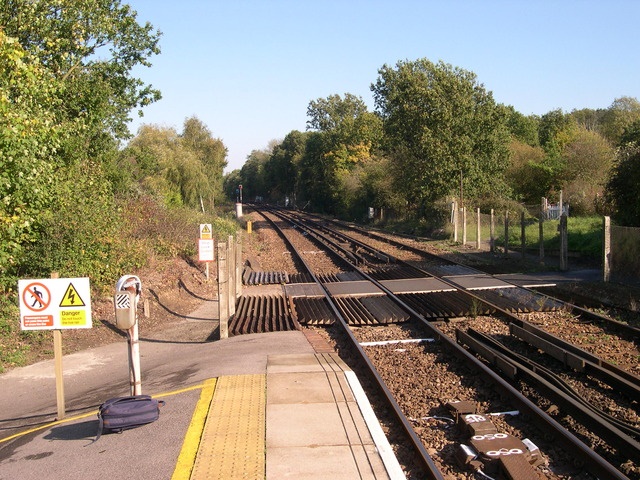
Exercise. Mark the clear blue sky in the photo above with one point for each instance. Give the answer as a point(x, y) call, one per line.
point(248, 68)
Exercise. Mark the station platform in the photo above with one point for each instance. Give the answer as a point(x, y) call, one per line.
point(306, 418)
point(273, 406)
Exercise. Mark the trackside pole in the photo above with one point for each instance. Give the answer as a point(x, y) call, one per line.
point(57, 353)
point(134, 360)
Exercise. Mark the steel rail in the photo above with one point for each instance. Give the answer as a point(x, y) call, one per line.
point(593, 365)
point(428, 463)
point(614, 324)
point(595, 462)
point(545, 380)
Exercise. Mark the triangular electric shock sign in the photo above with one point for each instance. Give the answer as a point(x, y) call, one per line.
point(71, 298)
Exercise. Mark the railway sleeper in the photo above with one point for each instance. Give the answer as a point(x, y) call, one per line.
point(313, 311)
point(261, 314)
point(493, 452)
point(445, 305)
point(391, 272)
point(520, 300)
point(251, 277)
point(376, 310)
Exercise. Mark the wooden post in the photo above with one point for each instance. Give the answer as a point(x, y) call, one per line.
point(464, 225)
point(564, 247)
point(506, 233)
point(523, 238)
point(541, 237)
point(455, 222)
point(238, 267)
point(135, 380)
point(231, 270)
point(560, 205)
point(59, 371)
point(606, 253)
point(492, 233)
point(478, 230)
point(223, 294)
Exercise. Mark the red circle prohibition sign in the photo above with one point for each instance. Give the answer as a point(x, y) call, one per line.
point(40, 299)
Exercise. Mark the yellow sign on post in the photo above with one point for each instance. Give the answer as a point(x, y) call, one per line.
point(206, 232)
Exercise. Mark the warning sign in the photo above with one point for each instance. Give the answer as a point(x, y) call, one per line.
point(71, 298)
point(55, 303)
point(206, 232)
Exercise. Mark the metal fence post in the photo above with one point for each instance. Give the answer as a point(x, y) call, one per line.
point(464, 225)
point(231, 271)
point(541, 237)
point(523, 238)
point(455, 222)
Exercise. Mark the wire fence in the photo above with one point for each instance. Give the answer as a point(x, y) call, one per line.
point(488, 231)
point(510, 232)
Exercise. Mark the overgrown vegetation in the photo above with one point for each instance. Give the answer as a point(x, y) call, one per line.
point(72, 201)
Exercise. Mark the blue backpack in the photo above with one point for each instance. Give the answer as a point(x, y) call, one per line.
point(123, 413)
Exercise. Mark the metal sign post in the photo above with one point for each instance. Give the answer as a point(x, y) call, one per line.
point(134, 361)
point(126, 298)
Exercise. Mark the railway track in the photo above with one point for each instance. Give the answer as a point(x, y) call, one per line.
point(458, 372)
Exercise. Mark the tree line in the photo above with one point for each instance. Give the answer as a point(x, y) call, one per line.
point(436, 135)
point(75, 188)
point(72, 199)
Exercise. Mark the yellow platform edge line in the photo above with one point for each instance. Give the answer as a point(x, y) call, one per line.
point(191, 442)
point(47, 425)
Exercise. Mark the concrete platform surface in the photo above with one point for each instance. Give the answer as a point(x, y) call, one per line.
point(299, 414)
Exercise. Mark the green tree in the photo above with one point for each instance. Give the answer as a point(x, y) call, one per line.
point(623, 187)
point(556, 130)
point(66, 96)
point(631, 134)
point(347, 135)
point(91, 46)
point(525, 176)
point(623, 112)
point(589, 119)
point(29, 138)
point(281, 170)
point(588, 159)
point(253, 177)
point(523, 128)
point(440, 125)
point(351, 131)
point(210, 152)
point(164, 167)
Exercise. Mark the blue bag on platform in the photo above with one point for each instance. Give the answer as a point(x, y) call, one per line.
point(122, 413)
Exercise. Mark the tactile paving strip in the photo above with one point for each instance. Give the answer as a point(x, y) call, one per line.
point(233, 441)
